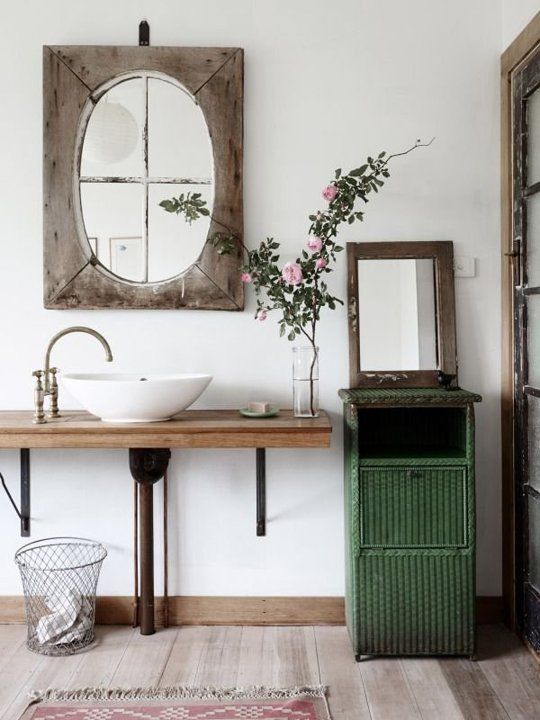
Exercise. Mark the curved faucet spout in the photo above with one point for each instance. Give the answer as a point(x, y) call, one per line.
point(67, 331)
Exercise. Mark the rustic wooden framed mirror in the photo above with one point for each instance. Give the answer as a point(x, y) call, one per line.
point(143, 155)
point(401, 310)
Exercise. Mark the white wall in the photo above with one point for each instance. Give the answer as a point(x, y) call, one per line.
point(326, 84)
point(516, 14)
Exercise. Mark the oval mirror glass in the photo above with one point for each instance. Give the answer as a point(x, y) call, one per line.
point(146, 178)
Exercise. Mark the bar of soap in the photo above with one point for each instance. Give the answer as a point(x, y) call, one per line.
point(257, 406)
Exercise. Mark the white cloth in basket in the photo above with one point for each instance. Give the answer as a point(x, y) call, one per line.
point(70, 619)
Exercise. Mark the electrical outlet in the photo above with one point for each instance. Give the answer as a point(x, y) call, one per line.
point(464, 266)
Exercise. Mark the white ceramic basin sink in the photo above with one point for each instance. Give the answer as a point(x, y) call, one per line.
point(132, 397)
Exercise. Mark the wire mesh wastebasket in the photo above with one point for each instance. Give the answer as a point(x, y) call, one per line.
point(59, 577)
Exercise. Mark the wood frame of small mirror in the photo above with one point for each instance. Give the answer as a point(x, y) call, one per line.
point(442, 254)
point(73, 275)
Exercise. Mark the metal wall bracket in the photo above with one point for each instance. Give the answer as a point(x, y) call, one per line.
point(144, 33)
point(24, 512)
point(261, 492)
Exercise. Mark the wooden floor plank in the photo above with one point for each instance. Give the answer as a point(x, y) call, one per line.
point(100, 663)
point(183, 662)
point(16, 672)
point(338, 670)
point(471, 690)
point(11, 637)
point(511, 672)
point(145, 659)
point(220, 657)
point(48, 672)
point(430, 689)
point(294, 653)
point(256, 658)
point(387, 690)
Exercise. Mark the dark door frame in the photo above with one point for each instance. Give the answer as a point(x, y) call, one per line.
point(518, 51)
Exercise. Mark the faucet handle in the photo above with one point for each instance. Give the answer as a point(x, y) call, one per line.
point(39, 415)
point(53, 410)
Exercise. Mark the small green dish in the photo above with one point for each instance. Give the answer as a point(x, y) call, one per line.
point(250, 414)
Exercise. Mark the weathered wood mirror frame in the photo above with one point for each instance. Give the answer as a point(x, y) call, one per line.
point(73, 276)
point(442, 253)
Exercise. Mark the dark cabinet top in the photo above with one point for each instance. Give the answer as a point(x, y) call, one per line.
point(408, 396)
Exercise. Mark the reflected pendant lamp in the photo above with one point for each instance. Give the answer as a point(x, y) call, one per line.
point(111, 135)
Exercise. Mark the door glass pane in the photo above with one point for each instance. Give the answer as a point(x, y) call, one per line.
point(533, 340)
point(533, 440)
point(533, 240)
point(533, 138)
point(534, 541)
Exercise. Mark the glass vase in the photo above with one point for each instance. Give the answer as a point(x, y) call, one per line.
point(306, 381)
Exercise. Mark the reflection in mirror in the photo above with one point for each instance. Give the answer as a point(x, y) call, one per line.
point(113, 138)
point(397, 314)
point(177, 134)
point(103, 225)
point(175, 242)
point(146, 140)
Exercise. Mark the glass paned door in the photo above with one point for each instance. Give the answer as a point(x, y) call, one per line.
point(526, 251)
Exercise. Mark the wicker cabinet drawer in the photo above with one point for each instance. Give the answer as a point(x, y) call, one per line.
point(418, 603)
point(411, 507)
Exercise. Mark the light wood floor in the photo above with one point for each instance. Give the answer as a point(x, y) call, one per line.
point(503, 683)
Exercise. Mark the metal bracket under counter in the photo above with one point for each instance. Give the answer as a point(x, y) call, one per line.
point(23, 512)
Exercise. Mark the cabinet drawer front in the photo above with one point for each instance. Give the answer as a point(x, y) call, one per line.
point(415, 603)
point(413, 507)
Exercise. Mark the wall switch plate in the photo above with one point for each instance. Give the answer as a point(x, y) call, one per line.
point(464, 266)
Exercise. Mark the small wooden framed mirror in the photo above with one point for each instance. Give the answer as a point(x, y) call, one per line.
point(401, 309)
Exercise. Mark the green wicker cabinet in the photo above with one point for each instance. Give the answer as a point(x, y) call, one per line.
point(410, 521)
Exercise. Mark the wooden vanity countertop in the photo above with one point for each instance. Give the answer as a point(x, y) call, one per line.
point(190, 429)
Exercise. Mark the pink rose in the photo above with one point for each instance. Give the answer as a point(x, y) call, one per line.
point(329, 192)
point(292, 273)
point(321, 263)
point(262, 315)
point(314, 243)
point(246, 277)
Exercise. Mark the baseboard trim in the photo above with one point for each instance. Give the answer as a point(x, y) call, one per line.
point(213, 610)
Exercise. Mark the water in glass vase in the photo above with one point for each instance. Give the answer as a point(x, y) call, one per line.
point(306, 381)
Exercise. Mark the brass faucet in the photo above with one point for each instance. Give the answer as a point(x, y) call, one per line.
point(49, 385)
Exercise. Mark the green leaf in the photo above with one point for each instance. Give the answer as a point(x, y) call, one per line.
point(358, 172)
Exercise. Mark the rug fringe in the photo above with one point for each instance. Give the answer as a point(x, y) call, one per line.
point(256, 692)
